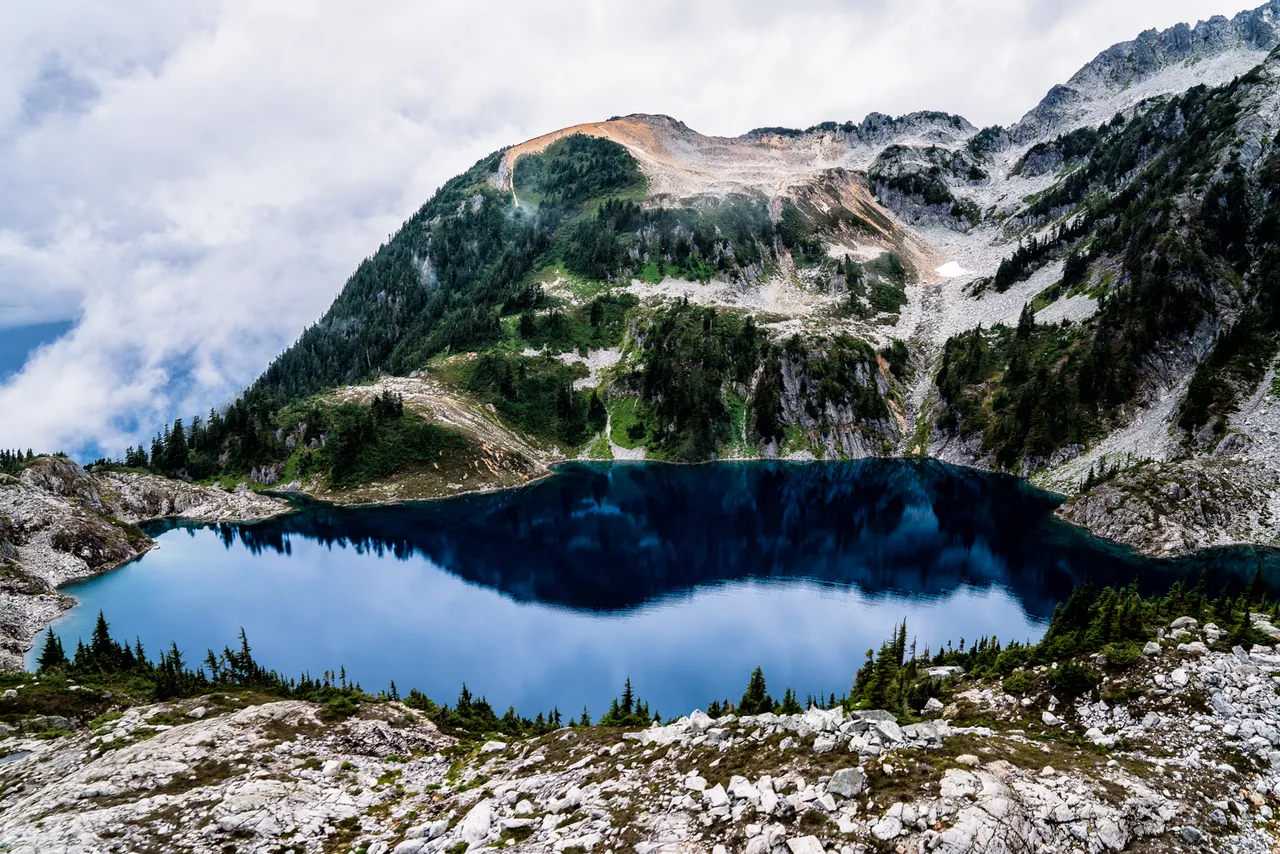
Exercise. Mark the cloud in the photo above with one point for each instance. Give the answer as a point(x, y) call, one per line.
point(194, 184)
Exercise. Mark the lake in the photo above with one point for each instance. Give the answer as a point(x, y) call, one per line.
point(684, 578)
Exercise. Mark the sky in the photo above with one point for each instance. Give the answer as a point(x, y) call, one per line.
point(184, 187)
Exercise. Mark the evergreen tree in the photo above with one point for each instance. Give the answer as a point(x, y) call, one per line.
point(628, 699)
point(1257, 592)
point(756, 699)
point(52, 655)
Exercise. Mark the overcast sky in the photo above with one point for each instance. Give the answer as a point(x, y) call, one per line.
point(192, 183)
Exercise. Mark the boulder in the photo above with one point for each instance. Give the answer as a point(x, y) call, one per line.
point(805, 845)
point(847, 782)
point(887, 828)
point(1151, 648)
point(1184, 623)
point(478, 822)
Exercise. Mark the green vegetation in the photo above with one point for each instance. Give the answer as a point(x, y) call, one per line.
point(1129, 196)
point(689, 356)
point(1113, 621)
point(369, 442)
point(1019, 388)
point(12, 462)
point(718, 237)
point(536, 394)
point(574, 170)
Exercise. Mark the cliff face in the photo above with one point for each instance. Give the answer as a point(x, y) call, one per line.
point(58, 524)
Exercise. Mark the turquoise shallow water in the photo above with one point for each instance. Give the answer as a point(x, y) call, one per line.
point(682, 577)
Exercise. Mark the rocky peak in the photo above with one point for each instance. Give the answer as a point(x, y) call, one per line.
point(1156, 62)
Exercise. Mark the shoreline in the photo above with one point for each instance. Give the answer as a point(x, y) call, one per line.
point(45, 607)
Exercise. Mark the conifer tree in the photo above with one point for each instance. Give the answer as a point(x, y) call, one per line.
point(52, 655)
point(628, 699)
point(1257, 588)
point(756, 699)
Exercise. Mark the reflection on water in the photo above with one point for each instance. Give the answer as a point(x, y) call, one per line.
point(683, 578)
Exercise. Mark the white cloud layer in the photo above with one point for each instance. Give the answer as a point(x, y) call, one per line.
point(194, 183)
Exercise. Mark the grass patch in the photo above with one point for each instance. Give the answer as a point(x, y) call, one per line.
point(629, 424)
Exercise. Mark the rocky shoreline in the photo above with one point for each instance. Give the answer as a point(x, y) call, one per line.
point(1174, 509)
point(59, 524)
point(1179, 752)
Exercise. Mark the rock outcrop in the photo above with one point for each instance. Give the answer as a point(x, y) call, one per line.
point(1180, 752)
point(1176, 508)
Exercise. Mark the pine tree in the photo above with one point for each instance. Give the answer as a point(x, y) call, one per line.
point(756, 699)
point(585, 720)
point(1257, 588)
point(101, 647)
point(628, 699)
point(52, 655)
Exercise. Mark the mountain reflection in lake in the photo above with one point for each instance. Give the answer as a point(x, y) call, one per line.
point(683, 577)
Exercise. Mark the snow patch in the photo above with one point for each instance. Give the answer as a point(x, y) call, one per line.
point(951, 270)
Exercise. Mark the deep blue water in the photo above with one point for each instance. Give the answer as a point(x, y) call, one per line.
point(682, 577)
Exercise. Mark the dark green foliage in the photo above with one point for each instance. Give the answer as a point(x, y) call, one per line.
point(51, 655)
point(12, 462)
point(1240, 358)
point(755, 700)
point(1071, 146)
point(986, 141)
point(627, 711)
point(624, 239)
point(1122, 655)
point(574, 169)
point(1018, 683)
point(927, 186)
point(690, 355)
point(1113, 621)
point(369, 442)
point(1074, 271)
point(1073, 679)
point(797, 234)
point(766, 403)
point(535, 394)
point(1131, 195)
point(599, 323)
point(1037, 405)
point(833, 367)
point(898, 358)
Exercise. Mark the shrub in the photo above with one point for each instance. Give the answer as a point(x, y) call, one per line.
point(341, 707)
point(1073, 679)
point(1122, 655)
point(1011, 659)
point(1019, 683)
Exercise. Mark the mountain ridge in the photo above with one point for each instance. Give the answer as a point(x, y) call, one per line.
point(1107, 261)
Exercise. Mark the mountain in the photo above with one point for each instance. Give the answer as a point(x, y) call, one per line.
point(1068, 298)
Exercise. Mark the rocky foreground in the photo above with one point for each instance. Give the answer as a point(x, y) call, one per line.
point(59, 524)
point(1178, 753)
